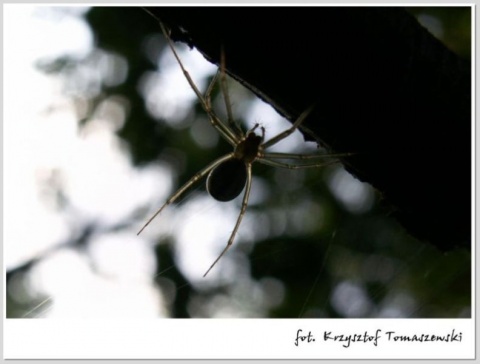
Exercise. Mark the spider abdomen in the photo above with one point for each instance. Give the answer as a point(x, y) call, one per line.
point(227, 180)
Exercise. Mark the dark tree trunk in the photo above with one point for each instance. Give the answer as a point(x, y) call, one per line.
point(384, 89)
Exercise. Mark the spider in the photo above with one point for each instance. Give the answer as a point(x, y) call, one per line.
point(231, 173)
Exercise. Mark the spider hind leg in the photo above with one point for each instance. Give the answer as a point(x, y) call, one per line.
point(239, 219)
point(197, 177)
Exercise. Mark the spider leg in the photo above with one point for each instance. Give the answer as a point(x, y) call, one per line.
point(214, 120)
point(290, 130)
point(303, 156)
point(189, 183)
point(226, 97)
point(240, 217)
point(224, 130)
point(294, 166)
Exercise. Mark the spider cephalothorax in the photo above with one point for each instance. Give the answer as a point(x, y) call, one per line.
point(250, 147)
point(231, 173)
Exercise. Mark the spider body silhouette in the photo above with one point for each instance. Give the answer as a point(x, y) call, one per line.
point(227, 180)
point(232, 173)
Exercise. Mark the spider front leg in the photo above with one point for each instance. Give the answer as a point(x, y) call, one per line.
point(294, 166)
point(232, 136)
point(275, 155)
point(240, 216)
point(271, 159)
point(205, 102)
point(226, 97)
point(290, 130)
point(189, 183)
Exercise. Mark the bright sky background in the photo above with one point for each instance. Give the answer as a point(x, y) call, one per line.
point(42, 146)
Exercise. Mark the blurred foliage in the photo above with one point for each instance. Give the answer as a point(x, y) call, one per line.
point(317, 257)
point(452, 25)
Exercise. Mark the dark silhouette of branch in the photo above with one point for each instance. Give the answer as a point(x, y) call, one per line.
point(384, 89)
